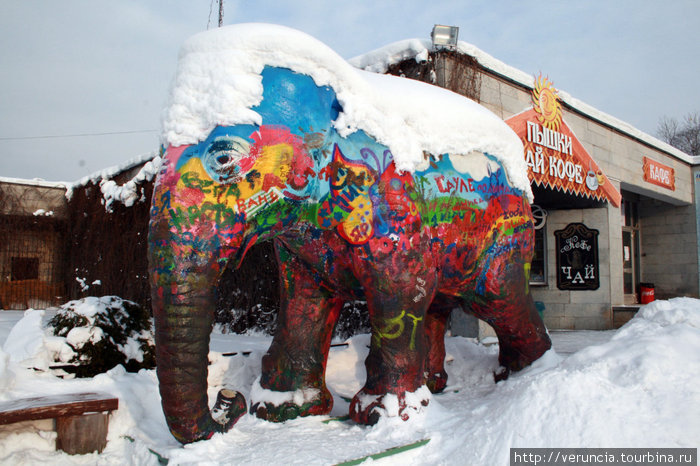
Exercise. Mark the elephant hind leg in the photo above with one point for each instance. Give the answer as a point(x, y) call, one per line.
point(522, 336)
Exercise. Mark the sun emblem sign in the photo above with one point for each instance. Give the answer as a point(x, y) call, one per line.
point(545, 101)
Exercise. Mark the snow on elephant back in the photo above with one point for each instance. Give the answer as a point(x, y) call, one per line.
point(372, 187)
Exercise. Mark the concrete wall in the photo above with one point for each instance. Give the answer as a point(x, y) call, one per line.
point(577, 309)
point(617, 289)
point(503, 98)
point(621, 158)
point(669, 248)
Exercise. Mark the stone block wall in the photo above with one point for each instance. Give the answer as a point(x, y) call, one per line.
point(502, 98)
point(669, 249)
point(577, 309)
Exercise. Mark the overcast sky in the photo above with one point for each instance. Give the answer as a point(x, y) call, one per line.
point(102, 68)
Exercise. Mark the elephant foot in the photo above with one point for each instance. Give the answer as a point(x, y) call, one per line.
point(437, 381)
point(228, 409)
point(282, 406)
point(368, 408)
point(515, 358)
point(500, 374)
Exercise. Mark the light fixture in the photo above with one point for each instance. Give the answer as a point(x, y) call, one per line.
point(444, 37)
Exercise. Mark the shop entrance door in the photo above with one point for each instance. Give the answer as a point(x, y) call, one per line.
point(630, 264)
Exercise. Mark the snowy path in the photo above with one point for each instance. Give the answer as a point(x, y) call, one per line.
point(567, 342)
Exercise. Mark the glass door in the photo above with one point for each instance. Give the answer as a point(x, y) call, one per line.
point(629, 269)
point(631, 261)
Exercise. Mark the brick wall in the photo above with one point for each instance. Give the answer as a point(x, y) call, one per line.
point(577, 309)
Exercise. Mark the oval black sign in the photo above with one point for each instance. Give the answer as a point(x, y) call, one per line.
point(577, 258)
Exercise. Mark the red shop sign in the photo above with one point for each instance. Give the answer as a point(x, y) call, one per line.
point(556, 159)
point(659, 174)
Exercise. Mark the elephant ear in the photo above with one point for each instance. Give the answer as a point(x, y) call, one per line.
point(284, 160)
point(296, 101)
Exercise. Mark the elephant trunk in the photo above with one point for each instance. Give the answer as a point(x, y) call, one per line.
point(183, 309)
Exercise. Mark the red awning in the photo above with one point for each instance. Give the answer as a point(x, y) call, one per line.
point(556, 159)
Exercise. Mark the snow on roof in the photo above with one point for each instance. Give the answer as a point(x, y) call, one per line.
point(218, 82)
point(101, 177)
point(111, 172)
point(35, 182)
point(127, 193)
point(379, 60)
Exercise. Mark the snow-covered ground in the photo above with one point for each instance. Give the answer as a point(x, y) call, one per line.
point(635, 387)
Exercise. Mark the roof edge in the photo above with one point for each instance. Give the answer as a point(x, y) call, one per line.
point(380, 59)
point(36, 182)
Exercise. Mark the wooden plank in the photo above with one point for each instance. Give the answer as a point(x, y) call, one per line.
point(79, 435)
point(45, 407)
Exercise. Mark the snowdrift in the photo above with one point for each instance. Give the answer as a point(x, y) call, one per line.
point(640, 389)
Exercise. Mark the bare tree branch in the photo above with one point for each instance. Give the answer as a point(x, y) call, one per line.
point(683, 135)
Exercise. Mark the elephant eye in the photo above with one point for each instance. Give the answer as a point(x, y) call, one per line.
point(223, 159)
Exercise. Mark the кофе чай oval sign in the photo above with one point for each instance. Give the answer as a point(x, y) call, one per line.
point(577, 258)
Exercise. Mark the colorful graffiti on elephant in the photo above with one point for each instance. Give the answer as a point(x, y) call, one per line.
point(348, 225)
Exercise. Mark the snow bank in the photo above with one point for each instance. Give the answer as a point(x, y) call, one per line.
point(218, 82)
point(380, 59)
point(25, 342)
point(6, 374)
point(640, 389)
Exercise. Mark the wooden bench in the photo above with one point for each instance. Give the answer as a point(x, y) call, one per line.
point(81, 419)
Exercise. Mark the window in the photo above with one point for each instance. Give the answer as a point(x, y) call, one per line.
point(538, 268)
point(24, 268)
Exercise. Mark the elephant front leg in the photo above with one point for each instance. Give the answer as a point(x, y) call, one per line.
point(398, 296)
point(292, 383)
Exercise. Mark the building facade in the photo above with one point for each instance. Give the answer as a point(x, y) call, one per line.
point(616, 210)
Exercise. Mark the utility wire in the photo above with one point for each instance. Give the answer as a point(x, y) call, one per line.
point(20, 138)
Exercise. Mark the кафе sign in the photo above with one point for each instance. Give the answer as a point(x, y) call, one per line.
point(659, 174)
point(555, 157)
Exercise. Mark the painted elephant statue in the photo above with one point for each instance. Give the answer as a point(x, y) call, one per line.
point(293, 157)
